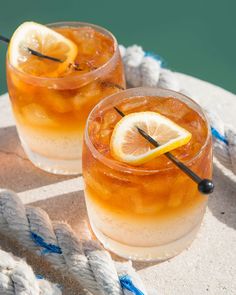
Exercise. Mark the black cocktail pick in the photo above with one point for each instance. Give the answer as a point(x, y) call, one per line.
point(205, 186)
point(34, 52)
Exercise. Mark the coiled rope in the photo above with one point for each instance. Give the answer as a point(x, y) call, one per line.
point(87, 262)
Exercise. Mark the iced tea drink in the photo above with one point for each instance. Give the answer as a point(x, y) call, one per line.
point(51, 110)
point(151, 211)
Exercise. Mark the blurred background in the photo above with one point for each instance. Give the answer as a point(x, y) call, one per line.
point(194, 37)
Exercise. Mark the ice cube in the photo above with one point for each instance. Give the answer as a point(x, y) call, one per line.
point(89, 47)
point(36, 115)
point(91, 90)
point(94, 127)
point(104, 136)
point(60, 103)
point(171, 108)
point(83, 34)
point(158, 189)
point(109, 119)
point(79, 101)
point(105, 133)
point(130, 105)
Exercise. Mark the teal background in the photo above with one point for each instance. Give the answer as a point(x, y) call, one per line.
point(194, 37)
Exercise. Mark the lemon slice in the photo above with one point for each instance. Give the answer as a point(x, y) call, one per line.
point(127, 145)
point(44, 40)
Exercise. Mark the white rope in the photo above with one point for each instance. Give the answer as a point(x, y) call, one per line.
point(87, 262)
point(142, 70)
point(18, 278)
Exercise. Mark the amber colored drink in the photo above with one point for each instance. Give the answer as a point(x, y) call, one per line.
point(152, 211)
point(51, 112)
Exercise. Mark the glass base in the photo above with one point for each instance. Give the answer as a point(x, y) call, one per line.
point(55, 166)
point(157, 253)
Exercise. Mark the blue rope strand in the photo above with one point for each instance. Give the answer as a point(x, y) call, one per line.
point(219, 136)
point(48, 248)
point(126, 283)
point(157, 57)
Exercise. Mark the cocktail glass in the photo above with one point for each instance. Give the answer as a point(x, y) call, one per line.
point(152, 211)
point(51, 113)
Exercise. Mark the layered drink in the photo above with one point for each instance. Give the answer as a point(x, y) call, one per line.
point(150, 211)
point(51, 100)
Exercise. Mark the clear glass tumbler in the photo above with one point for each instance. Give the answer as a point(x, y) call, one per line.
point(51, 113)
point(152, 211)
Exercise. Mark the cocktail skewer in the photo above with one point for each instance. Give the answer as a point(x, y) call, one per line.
point(4, 39)
point(34, 52)
point(205, 186)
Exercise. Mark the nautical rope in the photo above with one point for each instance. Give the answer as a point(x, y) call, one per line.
point(18, 278)
point(87, 262)
point(146, 69)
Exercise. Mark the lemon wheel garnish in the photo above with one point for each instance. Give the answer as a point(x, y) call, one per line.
point(44, 40)
point(128, 146)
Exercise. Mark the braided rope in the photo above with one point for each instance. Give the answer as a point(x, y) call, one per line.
point(87, 262)
point(17, 277)
point(146, 70)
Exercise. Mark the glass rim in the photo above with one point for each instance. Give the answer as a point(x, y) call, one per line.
point(115, 165)
point(96, 72)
